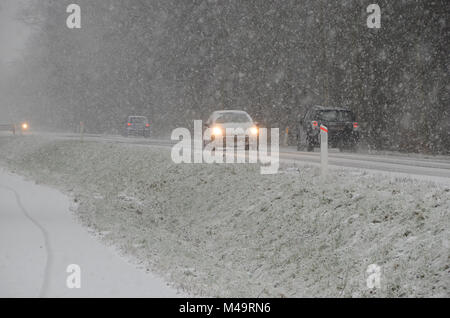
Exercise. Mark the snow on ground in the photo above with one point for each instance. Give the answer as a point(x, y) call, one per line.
point(39, 239)
point(227, 230)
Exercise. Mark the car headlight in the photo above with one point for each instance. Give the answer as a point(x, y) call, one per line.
point(24, 126)
point(217, 131)
point(254, 130)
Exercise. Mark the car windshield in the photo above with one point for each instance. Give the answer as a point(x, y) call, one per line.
point(335, 115)
point(137, 120)
point(233, 118)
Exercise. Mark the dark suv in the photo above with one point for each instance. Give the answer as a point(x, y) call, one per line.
point(343, 129)
point(137, 126)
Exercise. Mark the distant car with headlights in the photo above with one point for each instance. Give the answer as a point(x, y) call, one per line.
point(227, 124)
point(137, 126)
point(18, 127)
point(343, 129)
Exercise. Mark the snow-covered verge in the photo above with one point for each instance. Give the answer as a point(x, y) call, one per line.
point(227, 230)
point(39, 239)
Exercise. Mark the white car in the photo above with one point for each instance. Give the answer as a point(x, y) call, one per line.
point(236, 124)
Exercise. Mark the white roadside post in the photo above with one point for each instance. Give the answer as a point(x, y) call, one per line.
point(324, 150)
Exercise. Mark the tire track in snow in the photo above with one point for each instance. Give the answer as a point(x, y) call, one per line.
point(46, 278)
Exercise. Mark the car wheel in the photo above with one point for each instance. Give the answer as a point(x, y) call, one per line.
point(299, 145)
point(309, 144)
point(340, 144)
point(302, 140)
point(352, 146)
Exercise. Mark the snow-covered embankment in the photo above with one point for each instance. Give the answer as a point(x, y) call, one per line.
point(227, 230)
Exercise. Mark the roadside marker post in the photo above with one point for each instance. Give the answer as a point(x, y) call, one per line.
point(286, 137)
point(81, 131)
point(324, 150)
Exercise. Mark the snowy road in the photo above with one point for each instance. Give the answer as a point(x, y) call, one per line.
point(39, 239)
point(427, 168)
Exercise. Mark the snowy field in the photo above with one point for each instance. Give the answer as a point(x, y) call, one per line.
point(227, 230)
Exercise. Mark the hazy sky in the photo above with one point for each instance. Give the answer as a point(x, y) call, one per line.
point(13, 34)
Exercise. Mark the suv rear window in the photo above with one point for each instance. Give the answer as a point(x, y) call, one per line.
point(138, 120)
point(334, 115)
